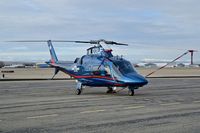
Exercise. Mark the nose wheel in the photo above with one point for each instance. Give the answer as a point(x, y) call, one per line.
point(131, 91)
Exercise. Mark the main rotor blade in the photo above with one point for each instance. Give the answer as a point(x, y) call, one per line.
point(51, 41)
point(28, 41)
point(115, 43)
point(90, 42)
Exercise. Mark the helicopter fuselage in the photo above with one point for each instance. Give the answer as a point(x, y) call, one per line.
point(99, 68)
point(104, 69)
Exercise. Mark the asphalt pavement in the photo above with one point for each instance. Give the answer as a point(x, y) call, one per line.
point(167, 105)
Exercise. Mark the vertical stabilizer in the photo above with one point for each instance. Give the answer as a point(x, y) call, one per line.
point(54, 58)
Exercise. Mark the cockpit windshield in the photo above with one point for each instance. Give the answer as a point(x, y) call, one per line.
point(124, 66)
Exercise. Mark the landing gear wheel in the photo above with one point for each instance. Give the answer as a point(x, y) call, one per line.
point(111, 90)
point(79, 88)
point(131, 92)
point(78, 91)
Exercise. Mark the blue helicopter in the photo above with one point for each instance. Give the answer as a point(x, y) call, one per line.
point(99, 68)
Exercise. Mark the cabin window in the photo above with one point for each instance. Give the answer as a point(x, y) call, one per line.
point(107, 70)
point(95, 68)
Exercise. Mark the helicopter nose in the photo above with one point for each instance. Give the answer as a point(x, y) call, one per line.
point(136, 79)
point(144, 81)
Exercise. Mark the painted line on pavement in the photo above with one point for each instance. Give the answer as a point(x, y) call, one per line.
point(42, 116)
point(134, 107)
point(168, 104)
point(196, 101)
point(57, 102)
point(92, 111)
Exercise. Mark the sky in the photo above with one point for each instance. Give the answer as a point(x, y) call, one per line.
point(155, 29)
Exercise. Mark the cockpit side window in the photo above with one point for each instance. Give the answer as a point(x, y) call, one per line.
point(124, 66)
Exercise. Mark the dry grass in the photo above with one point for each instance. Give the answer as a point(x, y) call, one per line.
point(29, 73)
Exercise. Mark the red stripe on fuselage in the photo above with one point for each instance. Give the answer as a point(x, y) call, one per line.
point(94, 76)
point(90, 76)
point(52, 61)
